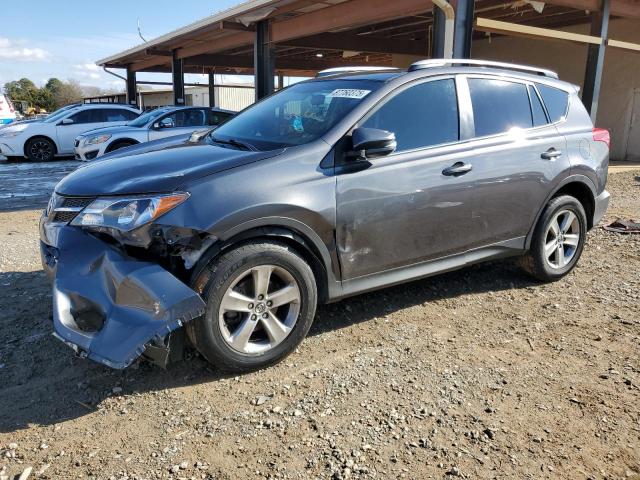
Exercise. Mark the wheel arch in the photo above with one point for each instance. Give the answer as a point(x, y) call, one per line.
point(578, 186)
point(46, 137)
point(128, 141)
point(288, 231)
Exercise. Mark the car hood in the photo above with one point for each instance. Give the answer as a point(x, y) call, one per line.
point(153, 167)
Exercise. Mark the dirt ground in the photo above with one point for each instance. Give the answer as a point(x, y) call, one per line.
point(479, 373)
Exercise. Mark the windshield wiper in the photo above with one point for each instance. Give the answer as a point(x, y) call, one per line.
point(235, 143)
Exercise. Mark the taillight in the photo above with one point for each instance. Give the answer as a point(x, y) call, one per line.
point(602, 135)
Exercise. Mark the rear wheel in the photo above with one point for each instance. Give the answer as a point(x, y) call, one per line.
point(558, 239)
point(40, 149)
point(261, 300)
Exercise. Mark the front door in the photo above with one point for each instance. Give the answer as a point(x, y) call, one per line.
point(402, 209)
point(179, 122)
point(81, 122)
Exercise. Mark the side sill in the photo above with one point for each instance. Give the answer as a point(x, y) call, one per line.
point(508, 248)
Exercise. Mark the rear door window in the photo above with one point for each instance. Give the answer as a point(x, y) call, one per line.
point(420, 116)
point(499, 106)
point(118, 115)
point(90, 115)
point(556, 101)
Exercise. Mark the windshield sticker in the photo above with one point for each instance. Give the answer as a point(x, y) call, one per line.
point(349, 93)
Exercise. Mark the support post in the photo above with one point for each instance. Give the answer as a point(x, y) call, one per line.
point(177, 74)
point(595, 60)
point(463, 35)
point(263, 60)
point(132, 93)
point(212, 89)
point(443, 29)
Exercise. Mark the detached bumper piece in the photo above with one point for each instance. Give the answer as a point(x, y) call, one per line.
point(110, 307)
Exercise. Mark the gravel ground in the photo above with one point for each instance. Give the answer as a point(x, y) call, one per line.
point(479, 373)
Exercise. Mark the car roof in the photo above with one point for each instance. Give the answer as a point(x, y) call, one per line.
point(435, 67)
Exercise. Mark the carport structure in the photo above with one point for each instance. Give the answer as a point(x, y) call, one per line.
point(269, 38)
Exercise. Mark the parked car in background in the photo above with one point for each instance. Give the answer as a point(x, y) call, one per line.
point(156, 124)
point(328, 188)
point(42, 140)
point(7, 112)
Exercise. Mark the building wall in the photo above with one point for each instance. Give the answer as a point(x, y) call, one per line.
point(621, 75)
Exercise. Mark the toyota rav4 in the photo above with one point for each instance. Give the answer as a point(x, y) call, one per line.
point(331, 187)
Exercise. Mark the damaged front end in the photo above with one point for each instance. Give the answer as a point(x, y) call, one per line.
point(114, 302)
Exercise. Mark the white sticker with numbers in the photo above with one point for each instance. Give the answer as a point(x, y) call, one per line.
point(349, 93)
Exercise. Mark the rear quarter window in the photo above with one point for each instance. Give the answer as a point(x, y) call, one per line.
point(555, 100)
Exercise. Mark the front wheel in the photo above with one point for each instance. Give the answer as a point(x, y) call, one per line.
point(40, 150)
point(558, 240)
point(261, 299)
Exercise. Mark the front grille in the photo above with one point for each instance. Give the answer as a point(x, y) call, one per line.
point(64, 217)
point(65, 209)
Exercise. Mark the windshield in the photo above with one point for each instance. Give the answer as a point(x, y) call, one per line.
point(297, 115)
point(145, 118)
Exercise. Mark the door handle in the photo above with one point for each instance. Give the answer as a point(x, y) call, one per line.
point(457, 169)
point(551, 154)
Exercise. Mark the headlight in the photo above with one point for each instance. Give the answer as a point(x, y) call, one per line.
point(126, 214)
point(97, 139)
point(10, 134)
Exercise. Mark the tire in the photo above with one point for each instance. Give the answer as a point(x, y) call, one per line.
point(40, 149)
point(555, 265)
point(117, 146)
point(218, 334)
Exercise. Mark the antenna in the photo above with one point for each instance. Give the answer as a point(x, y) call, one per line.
point(140, 31)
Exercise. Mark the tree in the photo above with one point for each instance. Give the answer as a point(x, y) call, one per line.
point(53, 85)
point(23, 90)
point(67, 92)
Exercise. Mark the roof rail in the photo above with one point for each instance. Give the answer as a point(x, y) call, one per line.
point(340, 70)
point(442, 62)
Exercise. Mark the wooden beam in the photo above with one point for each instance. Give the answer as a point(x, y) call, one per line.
point(620, 8)
point(515, 29)
point(214, 45)
point(625, 45)
point(350, 14)
point(150, 62)
point(237, 61)
point(358, 43)
point(158, 52)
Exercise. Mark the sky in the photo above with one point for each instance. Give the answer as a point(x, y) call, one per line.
point(40, 39)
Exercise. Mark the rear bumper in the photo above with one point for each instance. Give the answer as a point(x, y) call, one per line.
point(107, 306)
point(600, 207)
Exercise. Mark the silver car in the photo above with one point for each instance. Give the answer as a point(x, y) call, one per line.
point(160, 123)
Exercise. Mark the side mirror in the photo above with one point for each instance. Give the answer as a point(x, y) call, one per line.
point(66, 121)
point(372, 143)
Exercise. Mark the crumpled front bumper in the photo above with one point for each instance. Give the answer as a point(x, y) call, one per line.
point(106, 305)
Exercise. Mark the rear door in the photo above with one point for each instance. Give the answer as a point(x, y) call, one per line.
point(517, 157)
point(182, 121)
point(401, 209)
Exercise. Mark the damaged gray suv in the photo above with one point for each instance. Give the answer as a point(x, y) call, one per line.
point(227, 240)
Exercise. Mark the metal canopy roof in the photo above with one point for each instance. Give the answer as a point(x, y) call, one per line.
point(311, 35)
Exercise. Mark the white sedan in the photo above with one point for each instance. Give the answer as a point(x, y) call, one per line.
point(153, 125)
point(55, 135)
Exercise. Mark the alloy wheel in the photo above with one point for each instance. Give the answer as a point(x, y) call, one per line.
point(259, 310)
point(562, 239)
point(41, 150)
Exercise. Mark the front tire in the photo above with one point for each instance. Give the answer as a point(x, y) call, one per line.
point(40, 149)
point(558, 240)
point(261, 299)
